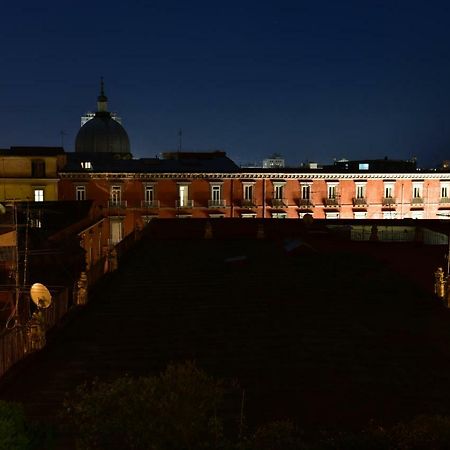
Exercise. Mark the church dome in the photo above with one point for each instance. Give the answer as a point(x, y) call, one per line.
point(102, 133)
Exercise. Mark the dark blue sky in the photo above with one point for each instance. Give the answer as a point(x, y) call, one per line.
point(312, 80)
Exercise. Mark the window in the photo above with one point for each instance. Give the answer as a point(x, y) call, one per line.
point(216, 200)
point(389, 214)
point(86, 165)
point(445, 190)
point(80, 192)
point(388, 190)
point(331, 215)
point(416, 214)
point(35, 223)
point(149, 194)
point(363, 166)
point(38, 168)
point(417, 190)
point(183, 197)
point(306, 192)
point(278, 191)
point(331, 191)
point(116, 229)
point(248, 192)
point(116, 195)
point(248, 215)
point(360, 214)
point(216, 193)
point(39, 195)
point(279, 215)
point(360, 191)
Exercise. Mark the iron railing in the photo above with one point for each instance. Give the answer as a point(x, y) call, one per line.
point(184, 204)
point(150, 204)
point(216, 203)
point(388, 201)
point(121, 204)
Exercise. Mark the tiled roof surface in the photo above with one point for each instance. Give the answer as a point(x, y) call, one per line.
point(213, 162)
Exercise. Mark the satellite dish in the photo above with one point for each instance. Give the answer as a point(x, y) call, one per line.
point(40, 295)
point(2, 208)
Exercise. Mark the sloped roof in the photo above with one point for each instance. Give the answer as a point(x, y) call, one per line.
point(32, 151)
point(184, 162)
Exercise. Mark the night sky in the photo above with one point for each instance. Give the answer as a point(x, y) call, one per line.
point(311, 80)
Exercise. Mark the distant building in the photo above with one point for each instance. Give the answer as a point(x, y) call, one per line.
point(90, 115)
point(274, 162)
point(30, 173)
point(375, 165)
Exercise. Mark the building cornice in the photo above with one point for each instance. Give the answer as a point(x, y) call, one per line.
point(307, 176)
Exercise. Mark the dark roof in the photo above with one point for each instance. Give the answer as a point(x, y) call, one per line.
point(113, 163)
point(32, 151)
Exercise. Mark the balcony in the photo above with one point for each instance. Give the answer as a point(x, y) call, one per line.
point(304, 203)
point(119, 204)
point(150, 204)
point(246, 203)
point(331, 202)
point(184, 204)
point(417, 201)
point(216, 203)
point(360, 201)
point(444, 200)
point(278, 203)
point(388, 201)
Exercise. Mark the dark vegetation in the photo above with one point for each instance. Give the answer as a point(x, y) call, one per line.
point(182, 409)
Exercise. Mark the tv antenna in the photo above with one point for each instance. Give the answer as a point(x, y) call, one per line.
point(180, 139)
point(62, 133)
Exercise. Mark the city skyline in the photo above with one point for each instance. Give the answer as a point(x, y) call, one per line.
point(310, 82)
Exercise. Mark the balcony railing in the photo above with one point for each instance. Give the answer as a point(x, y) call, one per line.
point(417, 201)
point(150, 204)
point(121, 204)
point(246, 203)
point(304, 203)
point(278, 203)
point(184, 204)
point(388, 201)
point(216, 203)
point(330, 202)
point(444, 200)
point(359, 201)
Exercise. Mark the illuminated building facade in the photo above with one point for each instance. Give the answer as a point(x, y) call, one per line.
point(210, 185)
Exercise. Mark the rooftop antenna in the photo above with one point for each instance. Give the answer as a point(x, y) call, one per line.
point(180, 139)
point(62, 133)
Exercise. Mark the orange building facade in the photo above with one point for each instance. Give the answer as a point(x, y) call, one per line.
point(132, 199)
